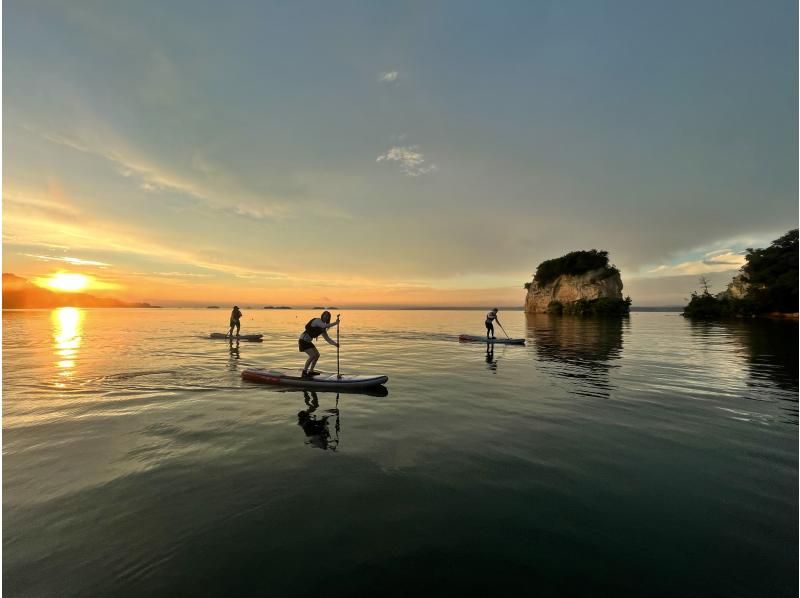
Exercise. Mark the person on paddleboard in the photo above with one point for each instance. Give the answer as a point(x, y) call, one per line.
point(491, 318)
point(315, 327)
point(235, 317)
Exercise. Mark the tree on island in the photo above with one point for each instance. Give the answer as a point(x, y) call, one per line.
point(575, 262)
point(771, 276)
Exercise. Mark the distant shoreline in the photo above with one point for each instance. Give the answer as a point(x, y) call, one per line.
point(657, 309)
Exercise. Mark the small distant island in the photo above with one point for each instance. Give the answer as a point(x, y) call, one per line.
point(766, 285)
point(19, 293)
point(578, 283)
point(321, 307)
point(212, 307)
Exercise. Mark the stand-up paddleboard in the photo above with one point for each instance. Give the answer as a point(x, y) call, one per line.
point(241, 337)
point(370, 391)
point(496, 341)
point(326, 380)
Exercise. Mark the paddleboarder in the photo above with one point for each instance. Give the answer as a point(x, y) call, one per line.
point(314, 328)
point(235, 317)
point(491, 318)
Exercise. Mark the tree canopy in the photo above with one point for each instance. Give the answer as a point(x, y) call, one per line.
point(575, 262)
point(772, 274)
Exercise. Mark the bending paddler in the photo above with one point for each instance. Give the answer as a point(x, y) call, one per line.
point(314, 328)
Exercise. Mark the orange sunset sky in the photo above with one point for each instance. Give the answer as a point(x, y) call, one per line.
point(364, 156)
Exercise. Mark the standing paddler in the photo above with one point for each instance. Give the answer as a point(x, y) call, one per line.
point(236, 315)
point(315, 327)
point(491, 318)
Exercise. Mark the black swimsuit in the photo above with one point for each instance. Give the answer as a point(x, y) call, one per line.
point(313, 332)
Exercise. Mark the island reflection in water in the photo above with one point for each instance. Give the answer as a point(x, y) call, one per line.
point(768, 347)
point(579, 349)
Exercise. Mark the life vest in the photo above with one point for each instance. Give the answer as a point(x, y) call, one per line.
point(313, 331)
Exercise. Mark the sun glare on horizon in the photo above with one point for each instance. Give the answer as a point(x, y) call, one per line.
point(67, 282)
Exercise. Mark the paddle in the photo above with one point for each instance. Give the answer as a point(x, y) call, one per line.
point(338, 375)
point(503, 329)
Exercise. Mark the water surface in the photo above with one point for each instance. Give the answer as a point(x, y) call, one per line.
point(647, 456)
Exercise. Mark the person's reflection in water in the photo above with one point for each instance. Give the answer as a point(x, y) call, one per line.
point(490, 357)
point(234, 348)
point(316, 428)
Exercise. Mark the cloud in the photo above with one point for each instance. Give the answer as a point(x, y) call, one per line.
point(215, 190)
point(179, 274)
point(412, 161)
point(69, 260)
point(93, 235)
point(51, 204)
point(716, 261)
point(388, 77)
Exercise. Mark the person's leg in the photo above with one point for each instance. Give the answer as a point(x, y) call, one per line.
point(311, 369)
point(230, 332)
point(313, 355)
point(238, 327)
point(310, 353)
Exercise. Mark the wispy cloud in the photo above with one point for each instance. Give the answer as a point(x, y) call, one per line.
point(92, 235)
point(27, 202)
point(715, 261)
point(388, 77)
point(411, 160)
point(74, 261)
point(217, 192)
point(180, 274)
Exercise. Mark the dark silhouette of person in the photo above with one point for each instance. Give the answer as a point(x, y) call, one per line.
point(316, 428)
point(236, 315)
point(490, 357)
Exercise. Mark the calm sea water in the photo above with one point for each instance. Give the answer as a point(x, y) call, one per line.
point(649, 456)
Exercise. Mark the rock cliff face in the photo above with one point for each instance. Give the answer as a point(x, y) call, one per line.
point(569, 288)
point(737, 288)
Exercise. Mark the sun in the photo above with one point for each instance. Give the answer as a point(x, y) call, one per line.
point(68, 282)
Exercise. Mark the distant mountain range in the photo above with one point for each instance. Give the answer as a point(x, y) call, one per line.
point(18, 293)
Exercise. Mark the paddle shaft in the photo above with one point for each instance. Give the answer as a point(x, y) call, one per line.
point(337, 347)
point(503, 329)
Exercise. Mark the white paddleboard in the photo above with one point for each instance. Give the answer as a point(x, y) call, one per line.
point(496, 341)
point(326, 380)
point(241, 337)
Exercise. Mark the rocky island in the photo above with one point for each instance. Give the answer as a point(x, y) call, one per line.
point(580, 282)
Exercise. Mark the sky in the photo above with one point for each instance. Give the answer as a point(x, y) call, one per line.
point(408, 153)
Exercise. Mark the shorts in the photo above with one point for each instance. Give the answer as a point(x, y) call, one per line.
point(234, 323)
point(304, 345)
point(489, 325)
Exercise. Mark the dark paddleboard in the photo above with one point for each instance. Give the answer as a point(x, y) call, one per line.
point(471, 338)
point(323, 380)
point(241, 337)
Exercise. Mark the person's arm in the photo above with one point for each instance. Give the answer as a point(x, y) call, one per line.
point(329, 339)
